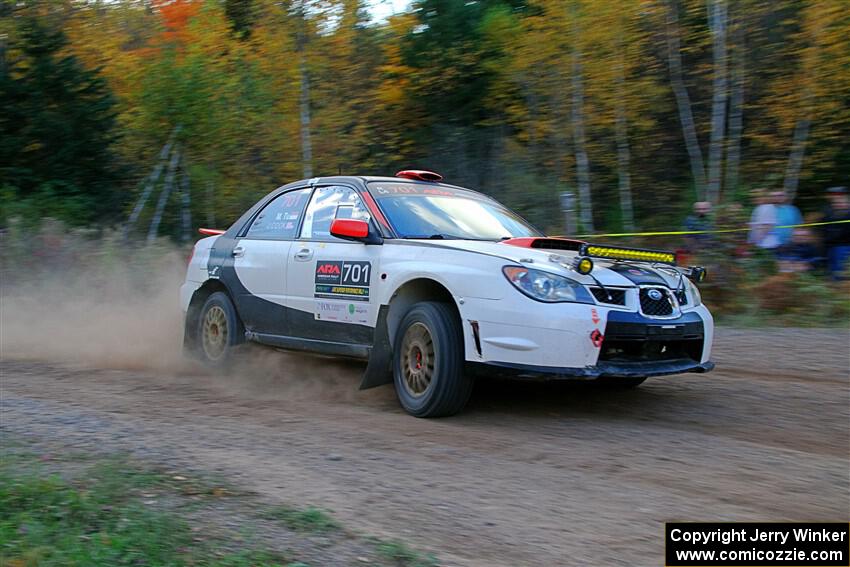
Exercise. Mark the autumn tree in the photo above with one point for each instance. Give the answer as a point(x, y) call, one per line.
point(58, 129)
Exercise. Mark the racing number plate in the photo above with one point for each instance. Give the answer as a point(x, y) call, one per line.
point(341, 279)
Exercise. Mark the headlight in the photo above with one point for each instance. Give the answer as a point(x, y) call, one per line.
point(544, 286)
point(696, 298)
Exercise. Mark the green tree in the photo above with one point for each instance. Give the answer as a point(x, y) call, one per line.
point(56, 131)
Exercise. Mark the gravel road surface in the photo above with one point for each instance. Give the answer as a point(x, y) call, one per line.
point(530, 474)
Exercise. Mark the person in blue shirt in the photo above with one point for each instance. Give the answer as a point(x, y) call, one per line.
point(786, 215)
point(699, 222)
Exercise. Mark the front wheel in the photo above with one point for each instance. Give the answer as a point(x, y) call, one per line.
point(219, 331)
point(428, 362)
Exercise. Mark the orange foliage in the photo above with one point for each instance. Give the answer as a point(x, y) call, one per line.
point(176, 15)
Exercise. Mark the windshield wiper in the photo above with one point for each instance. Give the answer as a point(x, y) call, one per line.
point(438, 236)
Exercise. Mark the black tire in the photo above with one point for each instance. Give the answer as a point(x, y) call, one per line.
point(621, 382)
point(430, 336)
point(219, 332)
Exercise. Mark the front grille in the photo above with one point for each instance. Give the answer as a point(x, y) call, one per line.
point(641, 342)
point(608, 295)
point(651, 350)
point(650, 307)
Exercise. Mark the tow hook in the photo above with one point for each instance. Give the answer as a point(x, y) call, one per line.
point(596, 338)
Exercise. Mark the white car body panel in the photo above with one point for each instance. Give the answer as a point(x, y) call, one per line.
point(513, 329)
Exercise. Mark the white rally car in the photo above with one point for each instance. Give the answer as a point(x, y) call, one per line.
point(434, 284)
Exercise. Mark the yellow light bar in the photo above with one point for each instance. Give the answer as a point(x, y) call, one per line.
point(634, 254)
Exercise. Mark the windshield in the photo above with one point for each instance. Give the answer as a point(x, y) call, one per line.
point(432, 211)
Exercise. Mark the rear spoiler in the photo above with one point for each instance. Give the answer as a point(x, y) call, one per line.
point(210, 231)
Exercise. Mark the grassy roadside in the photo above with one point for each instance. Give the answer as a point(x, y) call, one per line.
point(91, 510)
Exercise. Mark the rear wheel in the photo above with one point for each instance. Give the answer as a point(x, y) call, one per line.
point(219, 331)
point(428, 367)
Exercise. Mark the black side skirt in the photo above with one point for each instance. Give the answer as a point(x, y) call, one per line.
point(380, 353)
point(311, 345)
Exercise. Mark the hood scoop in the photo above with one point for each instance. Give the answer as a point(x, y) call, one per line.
point(545, 243)
point(638, 274)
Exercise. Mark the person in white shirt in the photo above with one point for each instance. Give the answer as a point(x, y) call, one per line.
point(763, 222)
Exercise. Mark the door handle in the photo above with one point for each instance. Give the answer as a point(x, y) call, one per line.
point(304, 254)
point(238, 252)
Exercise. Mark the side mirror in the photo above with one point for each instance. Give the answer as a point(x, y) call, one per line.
point(354, 229)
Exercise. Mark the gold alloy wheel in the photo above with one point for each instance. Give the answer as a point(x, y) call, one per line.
point(214, 333)
point(417, 350)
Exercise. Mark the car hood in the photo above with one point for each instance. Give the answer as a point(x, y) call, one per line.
point(619, 274)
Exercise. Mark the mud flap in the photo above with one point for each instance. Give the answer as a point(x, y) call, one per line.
point(379, 370)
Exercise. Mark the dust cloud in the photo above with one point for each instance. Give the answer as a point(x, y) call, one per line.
point(95, 302)
point(92, 302)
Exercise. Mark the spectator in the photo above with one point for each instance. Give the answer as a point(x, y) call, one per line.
point(763, 222)
point(837, 236)
point(800, 254)
point(697, 222)
point(786, 215)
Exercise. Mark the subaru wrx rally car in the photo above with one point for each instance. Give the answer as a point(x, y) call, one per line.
point(434, 284)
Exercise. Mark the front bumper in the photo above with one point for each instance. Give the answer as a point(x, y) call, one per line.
point(584, 341)
point(601, 370)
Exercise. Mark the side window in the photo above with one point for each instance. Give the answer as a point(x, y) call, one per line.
point(279, 219)
point(328, 204)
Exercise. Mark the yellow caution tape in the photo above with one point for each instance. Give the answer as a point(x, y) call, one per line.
point(717, 231)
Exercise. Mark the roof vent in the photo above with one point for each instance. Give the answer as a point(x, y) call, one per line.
point(419, 175)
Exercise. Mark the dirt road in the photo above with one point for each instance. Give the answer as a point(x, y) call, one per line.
point(530, 474)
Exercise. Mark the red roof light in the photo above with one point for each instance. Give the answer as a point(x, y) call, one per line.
point(419, 175)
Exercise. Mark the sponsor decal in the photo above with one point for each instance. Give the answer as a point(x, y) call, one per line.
point(357, 313)
point(596, 338)
point(214, 272)
point(340, 279)
point(342, 292)
point(594, 316)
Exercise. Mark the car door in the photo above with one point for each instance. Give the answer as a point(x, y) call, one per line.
point(330, 280)
point(260, 263)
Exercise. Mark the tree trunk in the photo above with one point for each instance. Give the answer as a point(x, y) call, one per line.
point(186, 201)
point(210, 204)
point(304, 98)
point(150, 183)
point(163, 196)
point(623, 153)
point(717, 21)
point(683, 101)
point(306, 142)
point(795, 158)
point(582, 162)
point(736, 108)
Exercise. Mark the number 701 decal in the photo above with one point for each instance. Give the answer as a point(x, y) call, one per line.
point(343, 272)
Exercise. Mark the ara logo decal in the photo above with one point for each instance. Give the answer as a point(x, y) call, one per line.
point(594, 316)
point(596, 338)
point(329, 272)
point(329, 269)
